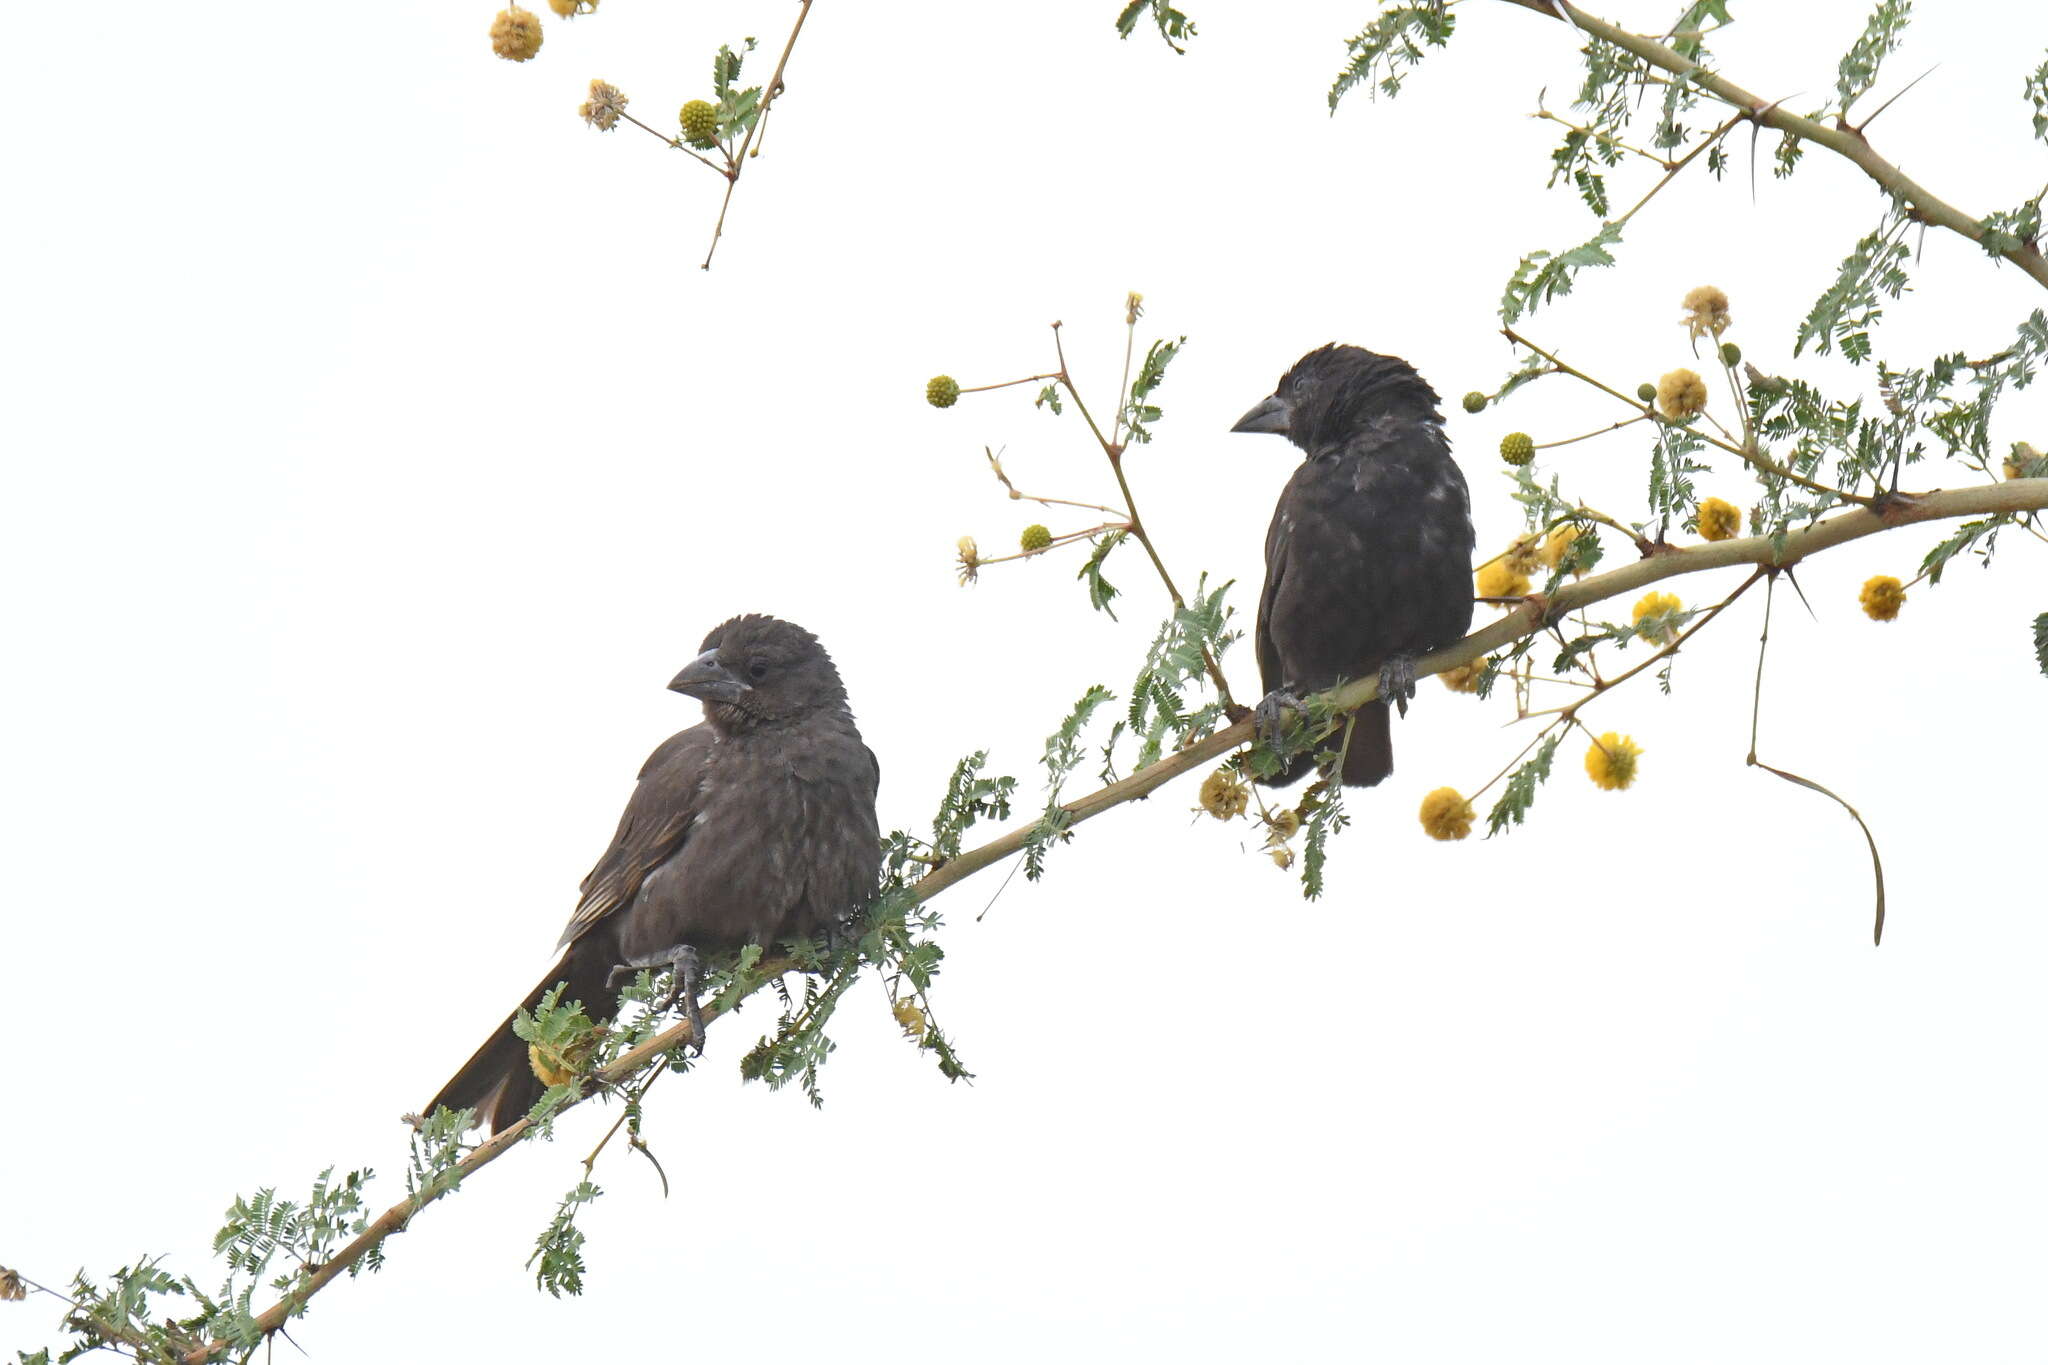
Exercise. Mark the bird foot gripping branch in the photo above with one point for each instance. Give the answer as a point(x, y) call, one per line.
point(686, 984)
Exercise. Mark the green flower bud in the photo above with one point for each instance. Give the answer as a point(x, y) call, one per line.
point(1647, 392)
point(700, 124)
point(943, 391)
point(1517, 447)
point(1475, 401)
point(1034, 539)
point(1731, 354)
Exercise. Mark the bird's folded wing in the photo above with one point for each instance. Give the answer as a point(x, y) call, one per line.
point(657, 821)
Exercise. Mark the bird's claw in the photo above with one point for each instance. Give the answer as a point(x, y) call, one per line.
point(1397, 681)
point(686, 978)
point(1269, 717)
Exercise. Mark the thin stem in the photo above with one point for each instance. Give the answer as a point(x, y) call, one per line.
point(1587, 436)
point(676, 143)
point(1115, 453)
point(1604, 139)
point(1759, 461)
point(1676, 167)
point(1012, 383)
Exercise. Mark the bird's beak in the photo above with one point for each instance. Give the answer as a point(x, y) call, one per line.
point(1271, 415)
point(706, 679)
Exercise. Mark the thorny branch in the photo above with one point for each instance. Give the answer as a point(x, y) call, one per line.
point(1535, 614)
point(1842, 137)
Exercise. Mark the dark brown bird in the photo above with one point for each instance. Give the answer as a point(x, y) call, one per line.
point(1369, 557)
point(756, 826)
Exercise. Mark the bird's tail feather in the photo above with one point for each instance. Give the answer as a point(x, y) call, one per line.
point(498, 1082)
point(1369, 755)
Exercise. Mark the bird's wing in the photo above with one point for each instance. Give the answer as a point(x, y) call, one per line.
point(1279, 536)
point(657, 820)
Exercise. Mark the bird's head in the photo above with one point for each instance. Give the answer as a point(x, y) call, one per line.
point(1334, 390)
point(756, 670)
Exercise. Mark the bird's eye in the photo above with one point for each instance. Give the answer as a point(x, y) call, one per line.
point(757, 670)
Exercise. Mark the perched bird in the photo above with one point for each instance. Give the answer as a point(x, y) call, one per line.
point(756, 826)
point(1369, 557)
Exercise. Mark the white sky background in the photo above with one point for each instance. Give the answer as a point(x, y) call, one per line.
point(377, 452)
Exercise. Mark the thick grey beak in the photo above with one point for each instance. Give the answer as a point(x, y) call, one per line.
point(706, 679)
point(1272, 415)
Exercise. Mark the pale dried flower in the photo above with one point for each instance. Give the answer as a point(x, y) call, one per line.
point(1706, 312)
point(607, 103)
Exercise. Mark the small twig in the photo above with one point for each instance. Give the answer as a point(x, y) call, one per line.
point(1750, 457)
point(768, 95)
point(1679, 165)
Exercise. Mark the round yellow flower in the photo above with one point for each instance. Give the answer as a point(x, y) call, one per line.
point(1499, 579)
point(1719, 520)
point(569, 9)
point(1557, 542)
point(1882, 597)
point(1224, 795)
point(1611, 762)
point(1281, 825)
point(1656, 604)
point(1283, 857)
point(1525, 556)
point(1446, 815)
point(1706, 312)
point(1465, 677)
point(910, 1019)
point(1681, 394)
point(515, 34)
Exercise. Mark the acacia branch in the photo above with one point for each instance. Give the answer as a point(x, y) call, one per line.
point(1535, 613)
point(2014, 495)
point(739, 159)
point(1842, 138)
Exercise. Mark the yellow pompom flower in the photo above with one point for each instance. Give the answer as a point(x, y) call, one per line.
point(1224, 795)
point(910, 1019)
point(1499, 579)
point(1882, 597)
point(969, 560)
point(1681, 394)
point(1611, 761)
point(1656, 604)
point(1719, 520)
point(1465, 677)
point(515, 34)
point(1283, 857)
point(1446, 815)
point(1525, 556)
point(569, 9)
point(1706, 312)
point(1559, 541)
